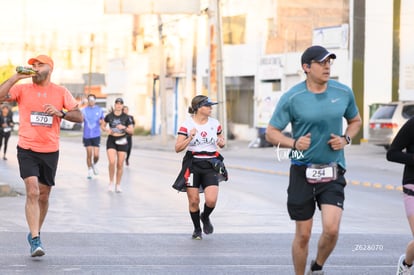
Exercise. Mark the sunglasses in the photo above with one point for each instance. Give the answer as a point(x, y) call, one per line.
point(324, 62)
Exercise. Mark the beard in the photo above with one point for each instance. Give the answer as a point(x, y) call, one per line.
point(38, 78)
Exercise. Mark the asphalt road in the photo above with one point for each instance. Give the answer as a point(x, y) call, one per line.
point(147, 229)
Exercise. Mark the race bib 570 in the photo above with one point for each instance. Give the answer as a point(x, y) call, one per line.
point(41, 119)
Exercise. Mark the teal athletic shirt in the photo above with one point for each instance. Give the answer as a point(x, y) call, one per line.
point(319, 114)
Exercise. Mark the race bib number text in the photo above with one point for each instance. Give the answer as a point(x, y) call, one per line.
point(41, 119)
point(321, 173)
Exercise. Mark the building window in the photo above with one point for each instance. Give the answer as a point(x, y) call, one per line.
point(239, 100)
point(276, 84)
point(271, 27)
point(234, 29)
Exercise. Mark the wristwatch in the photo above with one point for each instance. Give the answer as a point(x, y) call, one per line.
point(347, 139)
point(63, 114)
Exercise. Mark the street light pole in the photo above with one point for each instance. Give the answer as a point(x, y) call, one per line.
point(216, 76)
point(92, 39)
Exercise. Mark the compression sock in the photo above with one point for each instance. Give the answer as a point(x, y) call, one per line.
point(195, 217)
point(207, 210)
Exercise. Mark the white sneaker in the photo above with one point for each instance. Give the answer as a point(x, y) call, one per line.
point(95, 169)
point(90, 173)
point(111, 187)
point(118, 188)
point(403, 269)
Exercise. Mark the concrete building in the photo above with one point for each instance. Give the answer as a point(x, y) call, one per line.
point(264, 62)
point(261, 52)
point(262, 48)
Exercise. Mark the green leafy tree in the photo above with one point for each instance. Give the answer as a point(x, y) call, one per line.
point(6, 71)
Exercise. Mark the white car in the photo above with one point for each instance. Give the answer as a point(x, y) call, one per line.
point(16, 121)
point(387, 120)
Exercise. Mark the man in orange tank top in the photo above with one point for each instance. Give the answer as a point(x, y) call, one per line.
point(42, 106)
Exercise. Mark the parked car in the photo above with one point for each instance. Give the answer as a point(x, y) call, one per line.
point(387, 120)
point(16, 120)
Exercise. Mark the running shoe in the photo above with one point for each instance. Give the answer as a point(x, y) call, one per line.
point(29, 238)
point(402, 269)
point(90, 173)
point(118, 188)
point(315, 272)
point(197, 235)
point(36, 249)
point(95, 169)
point(111, 187)
point(207, 226)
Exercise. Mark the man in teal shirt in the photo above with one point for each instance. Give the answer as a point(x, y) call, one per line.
point(315, 108)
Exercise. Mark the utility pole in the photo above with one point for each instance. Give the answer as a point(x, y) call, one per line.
point(396, 50)
point(216, 76)
point(92, 40)
point(158, 7)
point(358, 46)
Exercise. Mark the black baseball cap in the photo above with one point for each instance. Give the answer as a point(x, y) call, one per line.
point(119, 100)
point(316, 53)
point(207, 102)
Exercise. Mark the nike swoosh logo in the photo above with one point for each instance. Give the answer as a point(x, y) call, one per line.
point(335, 100)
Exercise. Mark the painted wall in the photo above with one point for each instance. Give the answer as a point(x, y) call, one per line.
point(378, 55)
point(407, 51)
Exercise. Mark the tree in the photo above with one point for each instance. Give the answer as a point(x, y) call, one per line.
point(6, 71)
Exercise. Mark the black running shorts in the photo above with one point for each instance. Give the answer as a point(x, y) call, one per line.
point(303, 197)
point(94, 142)
point(112, 143)
point(203, 174)
point(41, 165)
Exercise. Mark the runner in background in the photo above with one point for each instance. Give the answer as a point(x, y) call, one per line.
point(93, 118)
point(119, 125)
point(6, 127)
